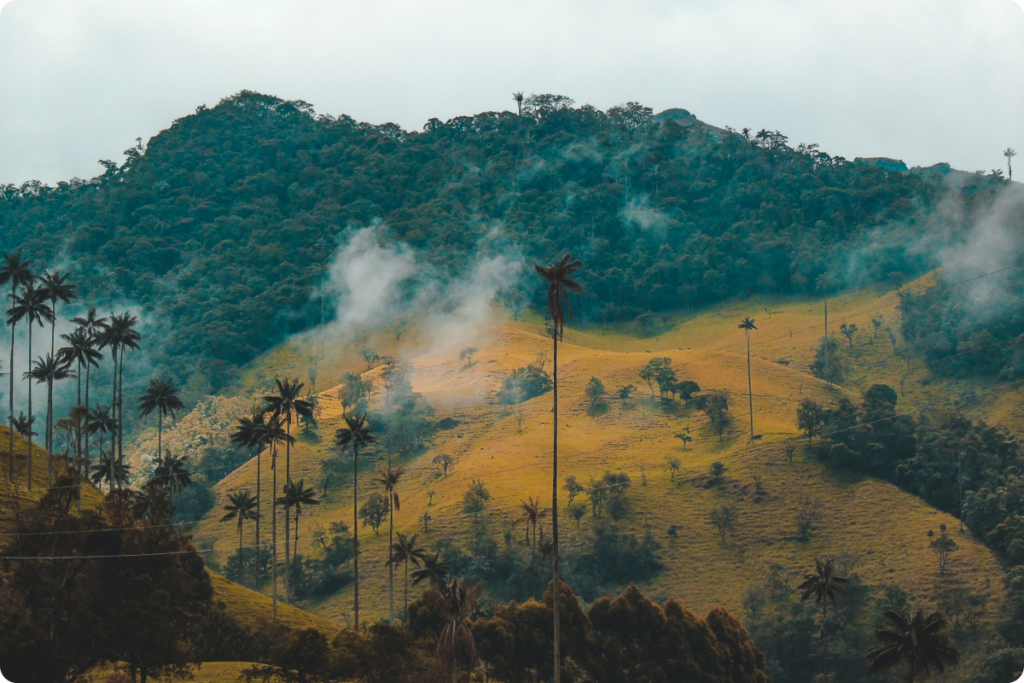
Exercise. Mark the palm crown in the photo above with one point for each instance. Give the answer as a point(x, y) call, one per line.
point(559, 286)
point(161, 396)
point(356, 433)
point(917, 642)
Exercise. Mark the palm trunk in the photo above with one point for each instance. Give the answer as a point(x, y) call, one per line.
point(159, 435)
point(273, 526)
point(287, 510)
point(259, 518)
point(78, 438)
point(49, 430)
point(391, 555)
point(824, 637)
point(828, 375)
point(86, 464)
point(355, 525)
point(29, 405)
point(240, 578)
point(407, 590)
point(750, 389)
point(120, 411)
point(113, 409)
point(295, 551)
point(10, 396)
point(554, 521)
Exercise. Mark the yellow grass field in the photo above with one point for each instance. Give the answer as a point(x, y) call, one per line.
point(859, 516)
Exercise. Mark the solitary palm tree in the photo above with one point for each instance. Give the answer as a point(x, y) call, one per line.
point(172, 474)
point(55, 287)
point(355, 434)
point(249, 434)
point(47, 370)
point(80, 352)
point(295, 496)
point(1009, 153)
point(518, 97)
point(241, 506)
point(559, 285)
point(456, 605)
point(161, 396)
point(273, 434)
point(406, 551)
point(285, 404)
point(433, 571)
point(92, 326)
point(823, 284)
point(747, 325)
point(16, 273)
point(918, 642)
point(389, 477)
point(532, 513)
point(822, 586)
point(29, 306)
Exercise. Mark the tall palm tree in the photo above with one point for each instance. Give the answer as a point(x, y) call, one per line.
point(92, 326)
point(747, 325)
point(532, 513)
point(172, 474)
point(80, 352)
point(917, 642)
point(274, 434)
point(389, 477)
point(47, 370)
point(456, 605)
point(162, 396)
point(29, 306)
point(101, 421)
point(56, 288)
point(110, 470)
point(556, 276)
point(295, 496)
point(15, 272)
point(1009, 153)
point(121, 335)
point(823, 284)
point(822, 586)
point(285, 404)
point(518, 97)
point(241, 506)
point(406, 551)
point(433, 571)
point(355, 434)
point(249, 434)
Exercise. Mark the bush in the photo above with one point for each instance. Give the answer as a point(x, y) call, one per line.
point(522, 384)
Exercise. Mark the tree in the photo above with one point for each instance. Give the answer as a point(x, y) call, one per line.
point(434, 571)
point(559, 285)
point(172, 474)
point(1009, 153)
point(650, 372)
point(848, 330)
point(823, 283)
point(374, 511)
point(110, 470)
point(295, 496)
point(406, 551)
point(241, 506)
point(55, 287)
point(91, 326)
point(716, 406)
point(80, 352)
point(943, 547)
point(624, 393)
point(273, 434)
point(518, 97)
point(445, 461)
point(455, 605)
point(673, 466)
point(573, 487)
point(370, 356)
point(475, 498)
point(747, 325)
point(466, 355)
point(352, 394)
point(724, 520)
point(355, 434)
point(120, 335)
point(101, 421)
point(301, 656)
point(919, 643)
point(250, 433)
point(162, 396)
point(595, 392)
point(47, 370)
point(810, 417)
point(15, 272)
point(532, 513)
point(389, 478)
point(822, 586)
point(30, 306)
point(685, 437)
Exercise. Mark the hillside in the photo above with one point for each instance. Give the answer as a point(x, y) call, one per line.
point(879, 529)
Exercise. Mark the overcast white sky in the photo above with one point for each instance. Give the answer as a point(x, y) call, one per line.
point(921, 80)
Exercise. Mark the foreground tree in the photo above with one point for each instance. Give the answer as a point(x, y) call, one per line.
point(355, 434)
point(559, 285)
point(822, 586)
point(31, 307)
point(455, 605)
point(747, 325)
point(172, 474)
point(16, 273)
point(241, 506)
point(918, 643)
point(161, 396)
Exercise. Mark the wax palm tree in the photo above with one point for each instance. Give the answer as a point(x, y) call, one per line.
point(101, 421)
point(747, 325)
point(433, 571)
point(273, 434)
point(110, 470)
point(295, 496)
point(1009, 153)
point(120, 335)
point(389, 477)
point(23, 425)
point(80, 352)
point(285, 404)
point(406, 551)
point(172, 474)
point(162, 396)
point(56, 288)
point(47, 370)
point(241, 506)
point(518, 97)
point(92, 326)
point(249, 433)
point(824, 281)
point(532, 513)
point(456, 605)
point(822, 586)
point(30, 306)
point(559, 285)
point(355, 434)
point(918, 642)
point(15, 272)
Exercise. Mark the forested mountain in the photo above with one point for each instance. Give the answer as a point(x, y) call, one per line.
point(215, 226)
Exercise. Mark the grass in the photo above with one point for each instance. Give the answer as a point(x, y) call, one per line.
point(862, 517)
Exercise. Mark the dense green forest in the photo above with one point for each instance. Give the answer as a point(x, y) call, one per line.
point(222, 227)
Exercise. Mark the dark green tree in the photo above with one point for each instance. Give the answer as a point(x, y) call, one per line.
point(162, 396)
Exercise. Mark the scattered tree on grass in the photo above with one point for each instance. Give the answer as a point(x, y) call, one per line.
point(943, 547)
point(724, 520)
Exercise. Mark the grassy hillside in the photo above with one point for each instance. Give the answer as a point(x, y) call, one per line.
point(885, 528)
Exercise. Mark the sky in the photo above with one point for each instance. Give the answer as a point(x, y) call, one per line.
point(924, 81)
